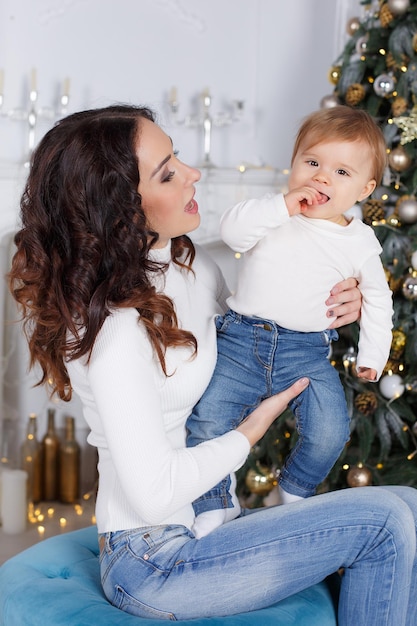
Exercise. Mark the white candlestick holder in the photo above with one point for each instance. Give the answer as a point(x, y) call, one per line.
point(32, 113)
point(205, 119)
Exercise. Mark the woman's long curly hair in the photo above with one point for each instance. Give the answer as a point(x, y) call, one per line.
point(84, 243)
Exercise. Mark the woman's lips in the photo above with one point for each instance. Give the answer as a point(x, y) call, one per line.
point(192, 207)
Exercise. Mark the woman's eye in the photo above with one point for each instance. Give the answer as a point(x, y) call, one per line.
point(169, 176)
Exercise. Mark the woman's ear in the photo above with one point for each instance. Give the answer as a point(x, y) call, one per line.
point(367, 190)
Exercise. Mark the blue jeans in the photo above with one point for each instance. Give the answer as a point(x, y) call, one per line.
point(163, 572)
point(256, 359)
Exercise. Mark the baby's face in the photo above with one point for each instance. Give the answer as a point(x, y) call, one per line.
point(339, 170)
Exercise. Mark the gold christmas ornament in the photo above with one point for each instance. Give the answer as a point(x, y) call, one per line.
point(394, 284)
point(399, 339)
point(393, 220)
point(334, 74)
point(385, 16)
point(398, 159)
point(399, 106)
point(359, 476)
point(373, 211)
point(392, 367)
point(355, 93)
point(408, 124)
point(260, 481)
point(366, 403)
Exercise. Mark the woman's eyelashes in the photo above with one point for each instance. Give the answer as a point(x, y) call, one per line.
point(168, 176)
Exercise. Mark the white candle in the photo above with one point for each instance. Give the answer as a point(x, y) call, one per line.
point(66, 87)
point(33, 80)
point(173, 95)
point(13, 501)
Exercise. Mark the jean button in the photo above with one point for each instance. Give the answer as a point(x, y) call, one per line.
point(267, 327)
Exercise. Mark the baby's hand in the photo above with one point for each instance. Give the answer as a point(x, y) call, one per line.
point(298, 200)
point(367, 373)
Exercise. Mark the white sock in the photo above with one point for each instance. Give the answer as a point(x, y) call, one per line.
point(287, 498)
point(234, 512)
point(208, 521)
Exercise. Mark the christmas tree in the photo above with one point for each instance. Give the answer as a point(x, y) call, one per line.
point(377, 72)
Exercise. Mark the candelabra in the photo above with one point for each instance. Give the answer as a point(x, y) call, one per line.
point(33, 113)
point(205, 119)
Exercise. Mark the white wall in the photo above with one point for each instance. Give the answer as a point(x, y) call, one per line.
point(273, 54)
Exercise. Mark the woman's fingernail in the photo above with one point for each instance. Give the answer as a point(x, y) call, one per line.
point(330, 313)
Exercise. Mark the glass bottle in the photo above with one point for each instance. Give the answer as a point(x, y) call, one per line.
point(31, 460)
point(69, 465)
point(50, 456)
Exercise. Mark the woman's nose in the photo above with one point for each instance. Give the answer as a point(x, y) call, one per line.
point(193, 174)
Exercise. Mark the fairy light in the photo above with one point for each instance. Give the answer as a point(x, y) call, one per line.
point(62, 522)
point(237, 255)
point(41, 531)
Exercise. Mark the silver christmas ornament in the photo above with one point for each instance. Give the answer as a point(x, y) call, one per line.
point(399, 160)
point(327, 102)
point(407, 211)
point(384, 85)
point(398, 7)
point(362, 45)
point(409, 287)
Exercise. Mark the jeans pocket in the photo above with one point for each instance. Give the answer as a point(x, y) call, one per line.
point(160, 545)
point(124, 601)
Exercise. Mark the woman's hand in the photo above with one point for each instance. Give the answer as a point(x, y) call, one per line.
point(348, 299)
point(257, 423)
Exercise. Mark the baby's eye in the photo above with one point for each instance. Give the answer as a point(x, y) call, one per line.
point(312, 162)
point(342, 172)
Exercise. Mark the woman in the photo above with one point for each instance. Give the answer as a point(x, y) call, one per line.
point(118, 306)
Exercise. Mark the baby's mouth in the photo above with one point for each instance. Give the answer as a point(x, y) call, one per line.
point(323, 198)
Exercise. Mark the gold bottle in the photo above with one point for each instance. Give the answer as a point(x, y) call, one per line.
point(69, 465)
point(50, 456)
point(31, 460)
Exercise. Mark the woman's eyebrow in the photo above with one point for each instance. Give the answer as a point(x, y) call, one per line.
point(161, 165)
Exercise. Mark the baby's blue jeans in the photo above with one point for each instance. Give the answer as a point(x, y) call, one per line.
point(256, 359)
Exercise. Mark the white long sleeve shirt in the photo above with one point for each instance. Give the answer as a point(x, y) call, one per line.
point(291, 263)
point(137, 415)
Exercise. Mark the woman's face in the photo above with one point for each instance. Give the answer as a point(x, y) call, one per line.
point(166, 185)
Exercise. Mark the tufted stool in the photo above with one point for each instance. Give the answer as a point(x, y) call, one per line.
point(57, 583)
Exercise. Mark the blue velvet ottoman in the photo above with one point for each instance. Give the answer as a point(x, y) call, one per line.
point(57, 583)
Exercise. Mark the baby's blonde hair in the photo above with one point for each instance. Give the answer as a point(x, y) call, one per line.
point(343, 123)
